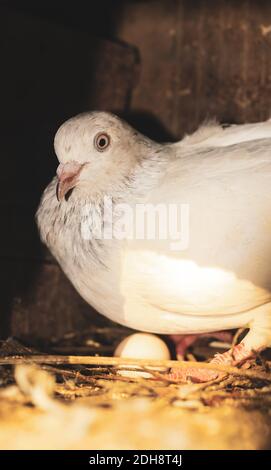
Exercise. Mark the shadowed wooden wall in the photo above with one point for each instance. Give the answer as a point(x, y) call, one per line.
point(201, 59)
point(165, 65)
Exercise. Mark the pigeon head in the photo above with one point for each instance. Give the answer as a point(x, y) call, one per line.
point(96, 150)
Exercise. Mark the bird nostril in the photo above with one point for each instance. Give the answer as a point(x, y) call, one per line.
point(67, 169)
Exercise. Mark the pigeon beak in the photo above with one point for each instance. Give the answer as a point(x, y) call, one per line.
point(68, 174)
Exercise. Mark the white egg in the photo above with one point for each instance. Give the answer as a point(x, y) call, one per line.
point(142, 346)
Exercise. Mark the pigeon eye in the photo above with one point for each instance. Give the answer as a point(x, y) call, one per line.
point(101, 142)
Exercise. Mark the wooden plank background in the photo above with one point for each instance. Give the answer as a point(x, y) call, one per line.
point(201, 59)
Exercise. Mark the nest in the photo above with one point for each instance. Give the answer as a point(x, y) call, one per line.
point(84, 402)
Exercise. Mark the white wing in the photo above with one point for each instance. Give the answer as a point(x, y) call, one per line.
point(226, 267)
point(214, 135)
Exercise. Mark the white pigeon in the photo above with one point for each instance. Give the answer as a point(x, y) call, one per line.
point(220, 280)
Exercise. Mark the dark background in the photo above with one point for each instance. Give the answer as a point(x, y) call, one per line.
point(166, 65)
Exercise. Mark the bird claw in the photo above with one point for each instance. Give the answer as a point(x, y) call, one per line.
point(237, 355)
point(194, 374)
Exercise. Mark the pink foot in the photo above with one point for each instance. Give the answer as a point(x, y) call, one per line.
point(193, 374)
point(234, 356)
point(183, 342)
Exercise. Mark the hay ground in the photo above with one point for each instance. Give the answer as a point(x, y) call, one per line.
point(45, 406)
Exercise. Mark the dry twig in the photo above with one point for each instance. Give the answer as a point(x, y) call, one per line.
point(121, 362)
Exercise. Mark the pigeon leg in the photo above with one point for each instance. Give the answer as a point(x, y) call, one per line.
point(183, 342)
point(257, 339)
